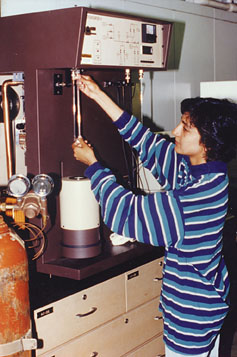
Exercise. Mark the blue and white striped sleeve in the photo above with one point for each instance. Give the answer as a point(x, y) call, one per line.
point(156, 153)
point(154, 219)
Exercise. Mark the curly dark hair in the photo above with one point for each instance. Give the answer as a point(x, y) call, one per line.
point(216, 121)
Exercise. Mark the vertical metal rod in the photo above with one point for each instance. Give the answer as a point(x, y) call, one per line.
point(76, 104)
point(74, 108)
point(78, 113)
point(141, 75)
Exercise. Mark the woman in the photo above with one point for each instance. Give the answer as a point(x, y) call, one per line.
point(187, 217)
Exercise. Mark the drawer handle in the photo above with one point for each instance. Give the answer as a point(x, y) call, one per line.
point(87, 313)
point(160, 356)
point(157, 318)
point(94, 354)
point(157, 279)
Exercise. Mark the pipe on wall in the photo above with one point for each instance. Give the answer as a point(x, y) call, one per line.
point(219, 5)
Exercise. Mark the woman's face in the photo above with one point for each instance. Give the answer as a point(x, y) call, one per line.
point(188, 141)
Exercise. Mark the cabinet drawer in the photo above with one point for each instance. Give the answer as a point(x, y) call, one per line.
point(153, 348)
point(117, 337)
point(68, 318)
point(144, 283)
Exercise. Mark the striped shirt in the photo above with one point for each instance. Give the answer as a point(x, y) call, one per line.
point(187, 218)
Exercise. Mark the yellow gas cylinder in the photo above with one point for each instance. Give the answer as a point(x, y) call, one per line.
point(14, 293)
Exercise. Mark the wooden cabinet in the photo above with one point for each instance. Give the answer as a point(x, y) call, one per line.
point(74, 315)
point(118, 317)
point(153, 348)
point(143, 284)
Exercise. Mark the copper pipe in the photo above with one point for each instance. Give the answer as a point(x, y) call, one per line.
point(7, 128)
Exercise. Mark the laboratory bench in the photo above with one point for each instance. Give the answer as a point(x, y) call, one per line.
point(112, 312)
point(113, 260)
point(105, 313)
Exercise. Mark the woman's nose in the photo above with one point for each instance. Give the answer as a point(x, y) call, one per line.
point(176, 130)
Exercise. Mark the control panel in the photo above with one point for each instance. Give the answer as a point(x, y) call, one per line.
point(119, 41)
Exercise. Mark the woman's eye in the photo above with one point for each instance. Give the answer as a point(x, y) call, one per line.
point(186, 128)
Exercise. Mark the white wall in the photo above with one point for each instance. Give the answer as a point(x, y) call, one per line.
point(204, 47)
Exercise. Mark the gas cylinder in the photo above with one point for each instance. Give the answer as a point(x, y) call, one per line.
point(14, 291)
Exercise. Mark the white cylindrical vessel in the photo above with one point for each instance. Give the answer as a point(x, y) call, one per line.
point(80, 219)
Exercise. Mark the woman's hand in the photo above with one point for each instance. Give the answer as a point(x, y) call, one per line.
point(83, 152)
point(88, 86)
point(93, 91)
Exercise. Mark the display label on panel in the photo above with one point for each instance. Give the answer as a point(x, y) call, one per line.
point(113, 41)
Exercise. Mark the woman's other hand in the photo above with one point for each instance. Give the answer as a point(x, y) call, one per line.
point(83, 151)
